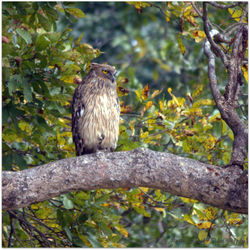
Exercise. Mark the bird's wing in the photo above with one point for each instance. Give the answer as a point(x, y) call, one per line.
point(77, 112)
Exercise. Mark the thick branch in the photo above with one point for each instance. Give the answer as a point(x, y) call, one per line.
point(217, 186)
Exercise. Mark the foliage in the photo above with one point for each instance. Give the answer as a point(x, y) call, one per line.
point(165, 106)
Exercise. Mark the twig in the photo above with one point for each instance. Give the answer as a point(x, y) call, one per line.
point(31, 228)
point(221, 6)
point(229, 30)
point(158, 7)
point(244, 14)
point(200, 15)
point(151, 198)
point(196, 9)
point(11, 229)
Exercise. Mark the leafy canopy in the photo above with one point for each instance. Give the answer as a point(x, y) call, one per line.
point(41, 67)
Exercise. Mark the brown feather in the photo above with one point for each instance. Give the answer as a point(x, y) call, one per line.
point(96, 111)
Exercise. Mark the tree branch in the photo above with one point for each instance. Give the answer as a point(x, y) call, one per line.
point(227, 104)
point(222, 6)
point(217, 186)
point(215, 47)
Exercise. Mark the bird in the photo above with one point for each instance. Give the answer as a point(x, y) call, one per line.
point(96, 111)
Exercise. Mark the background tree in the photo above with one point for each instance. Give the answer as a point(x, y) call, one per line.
point(166, 106)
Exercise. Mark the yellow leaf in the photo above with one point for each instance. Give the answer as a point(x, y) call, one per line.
point(211, 212)
point(139, 5)
point(125, 108)
point(202, 235)
point(181, 46)
point(79, 39)
point(161, 105)
point(198, 35)
point(25, 126)
point(214, 118)
point(162, 65)
point(203, 102)
point(141, 47)
point(204, 225)
point(117, 245)
point(188, 219)
point(145, 92)
point(191, 20)
point(144, 134)
point(68, 78)
point(144, 189)
point(131, 125)
point(188, 200)
point(122, 231)
point(245, 71)
point(155, 93)
point(167, 15)
point(197, 91)
point(234, 219)
point(188, 10)
point(148, 105)
point(160, 209)
point(76, 12)
point(85, 240)
point(245, 240)
point(138, 94)
point(236, 14)
point(210, 142)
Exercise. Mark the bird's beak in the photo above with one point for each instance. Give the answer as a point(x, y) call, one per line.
point(114, 77)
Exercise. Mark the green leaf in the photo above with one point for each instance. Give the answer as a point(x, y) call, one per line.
point(7, 161)
point(51, 12)
point(82, 218)
point(68, 204)
point(14, 83)
point(42, 42)
point(93, 241)
point(20, 161)
point(76, 12)
point(105, 228)
point(202, 235)
point(142, 211)
point(25, 35)
point(68, 232)
point(101, 199)
point(46, 24)
point(27, 91)
point(5, 115)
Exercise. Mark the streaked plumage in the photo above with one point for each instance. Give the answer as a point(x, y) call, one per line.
point(96, 111)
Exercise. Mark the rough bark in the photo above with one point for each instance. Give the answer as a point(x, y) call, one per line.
point(220, 187)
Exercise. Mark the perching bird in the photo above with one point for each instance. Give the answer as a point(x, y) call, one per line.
point(96, 111)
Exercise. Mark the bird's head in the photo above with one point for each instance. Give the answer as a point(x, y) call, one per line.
point(104, 71)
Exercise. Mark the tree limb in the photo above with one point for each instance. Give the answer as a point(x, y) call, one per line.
point(223, 6)
point(217, 186)
point(227, 103)
point(215, 47)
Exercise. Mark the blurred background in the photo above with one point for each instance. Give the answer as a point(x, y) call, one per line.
point(142, 46)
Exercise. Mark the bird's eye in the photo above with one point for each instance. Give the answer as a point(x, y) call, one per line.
point(105, 72)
